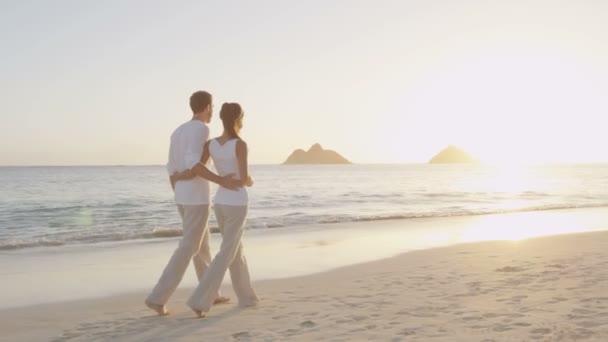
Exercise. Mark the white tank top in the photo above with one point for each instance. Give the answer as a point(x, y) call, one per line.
point(225, 161)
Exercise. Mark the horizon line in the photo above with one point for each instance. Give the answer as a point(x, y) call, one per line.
point(352, 163)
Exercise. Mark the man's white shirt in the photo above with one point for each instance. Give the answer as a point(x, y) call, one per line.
point(187, 144)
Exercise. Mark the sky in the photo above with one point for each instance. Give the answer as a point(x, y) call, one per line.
point(106, 82)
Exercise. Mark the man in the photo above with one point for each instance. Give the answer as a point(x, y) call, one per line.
point(192, 199)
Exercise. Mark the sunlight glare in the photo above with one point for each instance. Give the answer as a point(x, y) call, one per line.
point(521, 226)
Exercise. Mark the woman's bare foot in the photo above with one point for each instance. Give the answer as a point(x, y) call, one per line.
point(199, 313)
point(161, 310)
point(249, 304)
point(221, 300)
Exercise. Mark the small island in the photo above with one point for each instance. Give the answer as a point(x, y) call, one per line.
point(315, 155)
point(452, 155)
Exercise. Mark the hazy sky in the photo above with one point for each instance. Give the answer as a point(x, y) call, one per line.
point(106, 82)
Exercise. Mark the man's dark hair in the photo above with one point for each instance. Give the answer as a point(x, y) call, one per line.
point(199, 101)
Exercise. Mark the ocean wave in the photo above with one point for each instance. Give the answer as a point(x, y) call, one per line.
point(295, 213)
point(163, 233)
point(89, 239)
point(49, 210)
point(61, 240)
point(261, 223)
point(473, 213)
point(29, 244)
point(534, 194)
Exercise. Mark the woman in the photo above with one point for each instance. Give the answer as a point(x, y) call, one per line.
point(229, 154)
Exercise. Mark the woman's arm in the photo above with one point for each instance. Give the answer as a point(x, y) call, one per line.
point(241, 156)
point(184, 175)
point(195, 170)
point(201, 170)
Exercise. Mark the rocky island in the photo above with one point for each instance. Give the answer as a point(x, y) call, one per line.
point(452, 155)
point(316, 155)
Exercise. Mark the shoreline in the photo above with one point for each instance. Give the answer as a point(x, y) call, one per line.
point(546, 288)
point(167, 234)
point(128, 267)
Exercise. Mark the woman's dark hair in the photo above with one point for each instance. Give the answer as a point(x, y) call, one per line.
point(199, 101)
point(229, 114)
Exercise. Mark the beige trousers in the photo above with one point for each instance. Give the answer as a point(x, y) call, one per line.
point(231, 220)
point(194, 246)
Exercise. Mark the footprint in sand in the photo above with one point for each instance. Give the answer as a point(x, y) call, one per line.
point(584, 312)
point(364, 296)
point(590, 324)
point(580, 334)
point(556, 300)
point(549, 280)
point(491, 315)
point(424, 315)
point(501, 328)
point(308, 324)
point(597, 300)
point(70, 335)
point(407, 332)
point(519, 297)
point(291, 332)
point(342, 321)
point(522, 324)
point(540, 331)
point(242, 334)
point(509, 269)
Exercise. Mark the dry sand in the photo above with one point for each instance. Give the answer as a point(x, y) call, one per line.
point(544, 289)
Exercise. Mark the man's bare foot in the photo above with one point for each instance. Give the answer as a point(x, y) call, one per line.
point(221, 300)
point(161, 310)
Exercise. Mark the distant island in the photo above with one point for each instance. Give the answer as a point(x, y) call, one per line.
point(452, 154)
point(316, 155)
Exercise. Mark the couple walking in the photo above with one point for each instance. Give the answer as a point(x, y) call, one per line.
point(189, 154)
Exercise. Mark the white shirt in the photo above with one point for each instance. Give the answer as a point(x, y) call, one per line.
point(187, 143)
point(225, 161)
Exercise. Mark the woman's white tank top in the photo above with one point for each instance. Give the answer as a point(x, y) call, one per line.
point(225, 161)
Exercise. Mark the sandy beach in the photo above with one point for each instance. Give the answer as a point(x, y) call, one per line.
point(358, 171)
point(543, 289)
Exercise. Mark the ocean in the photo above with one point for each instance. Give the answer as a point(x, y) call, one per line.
point(59, 206)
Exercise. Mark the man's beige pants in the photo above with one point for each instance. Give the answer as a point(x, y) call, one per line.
point(194, 246)
point(231, 220)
